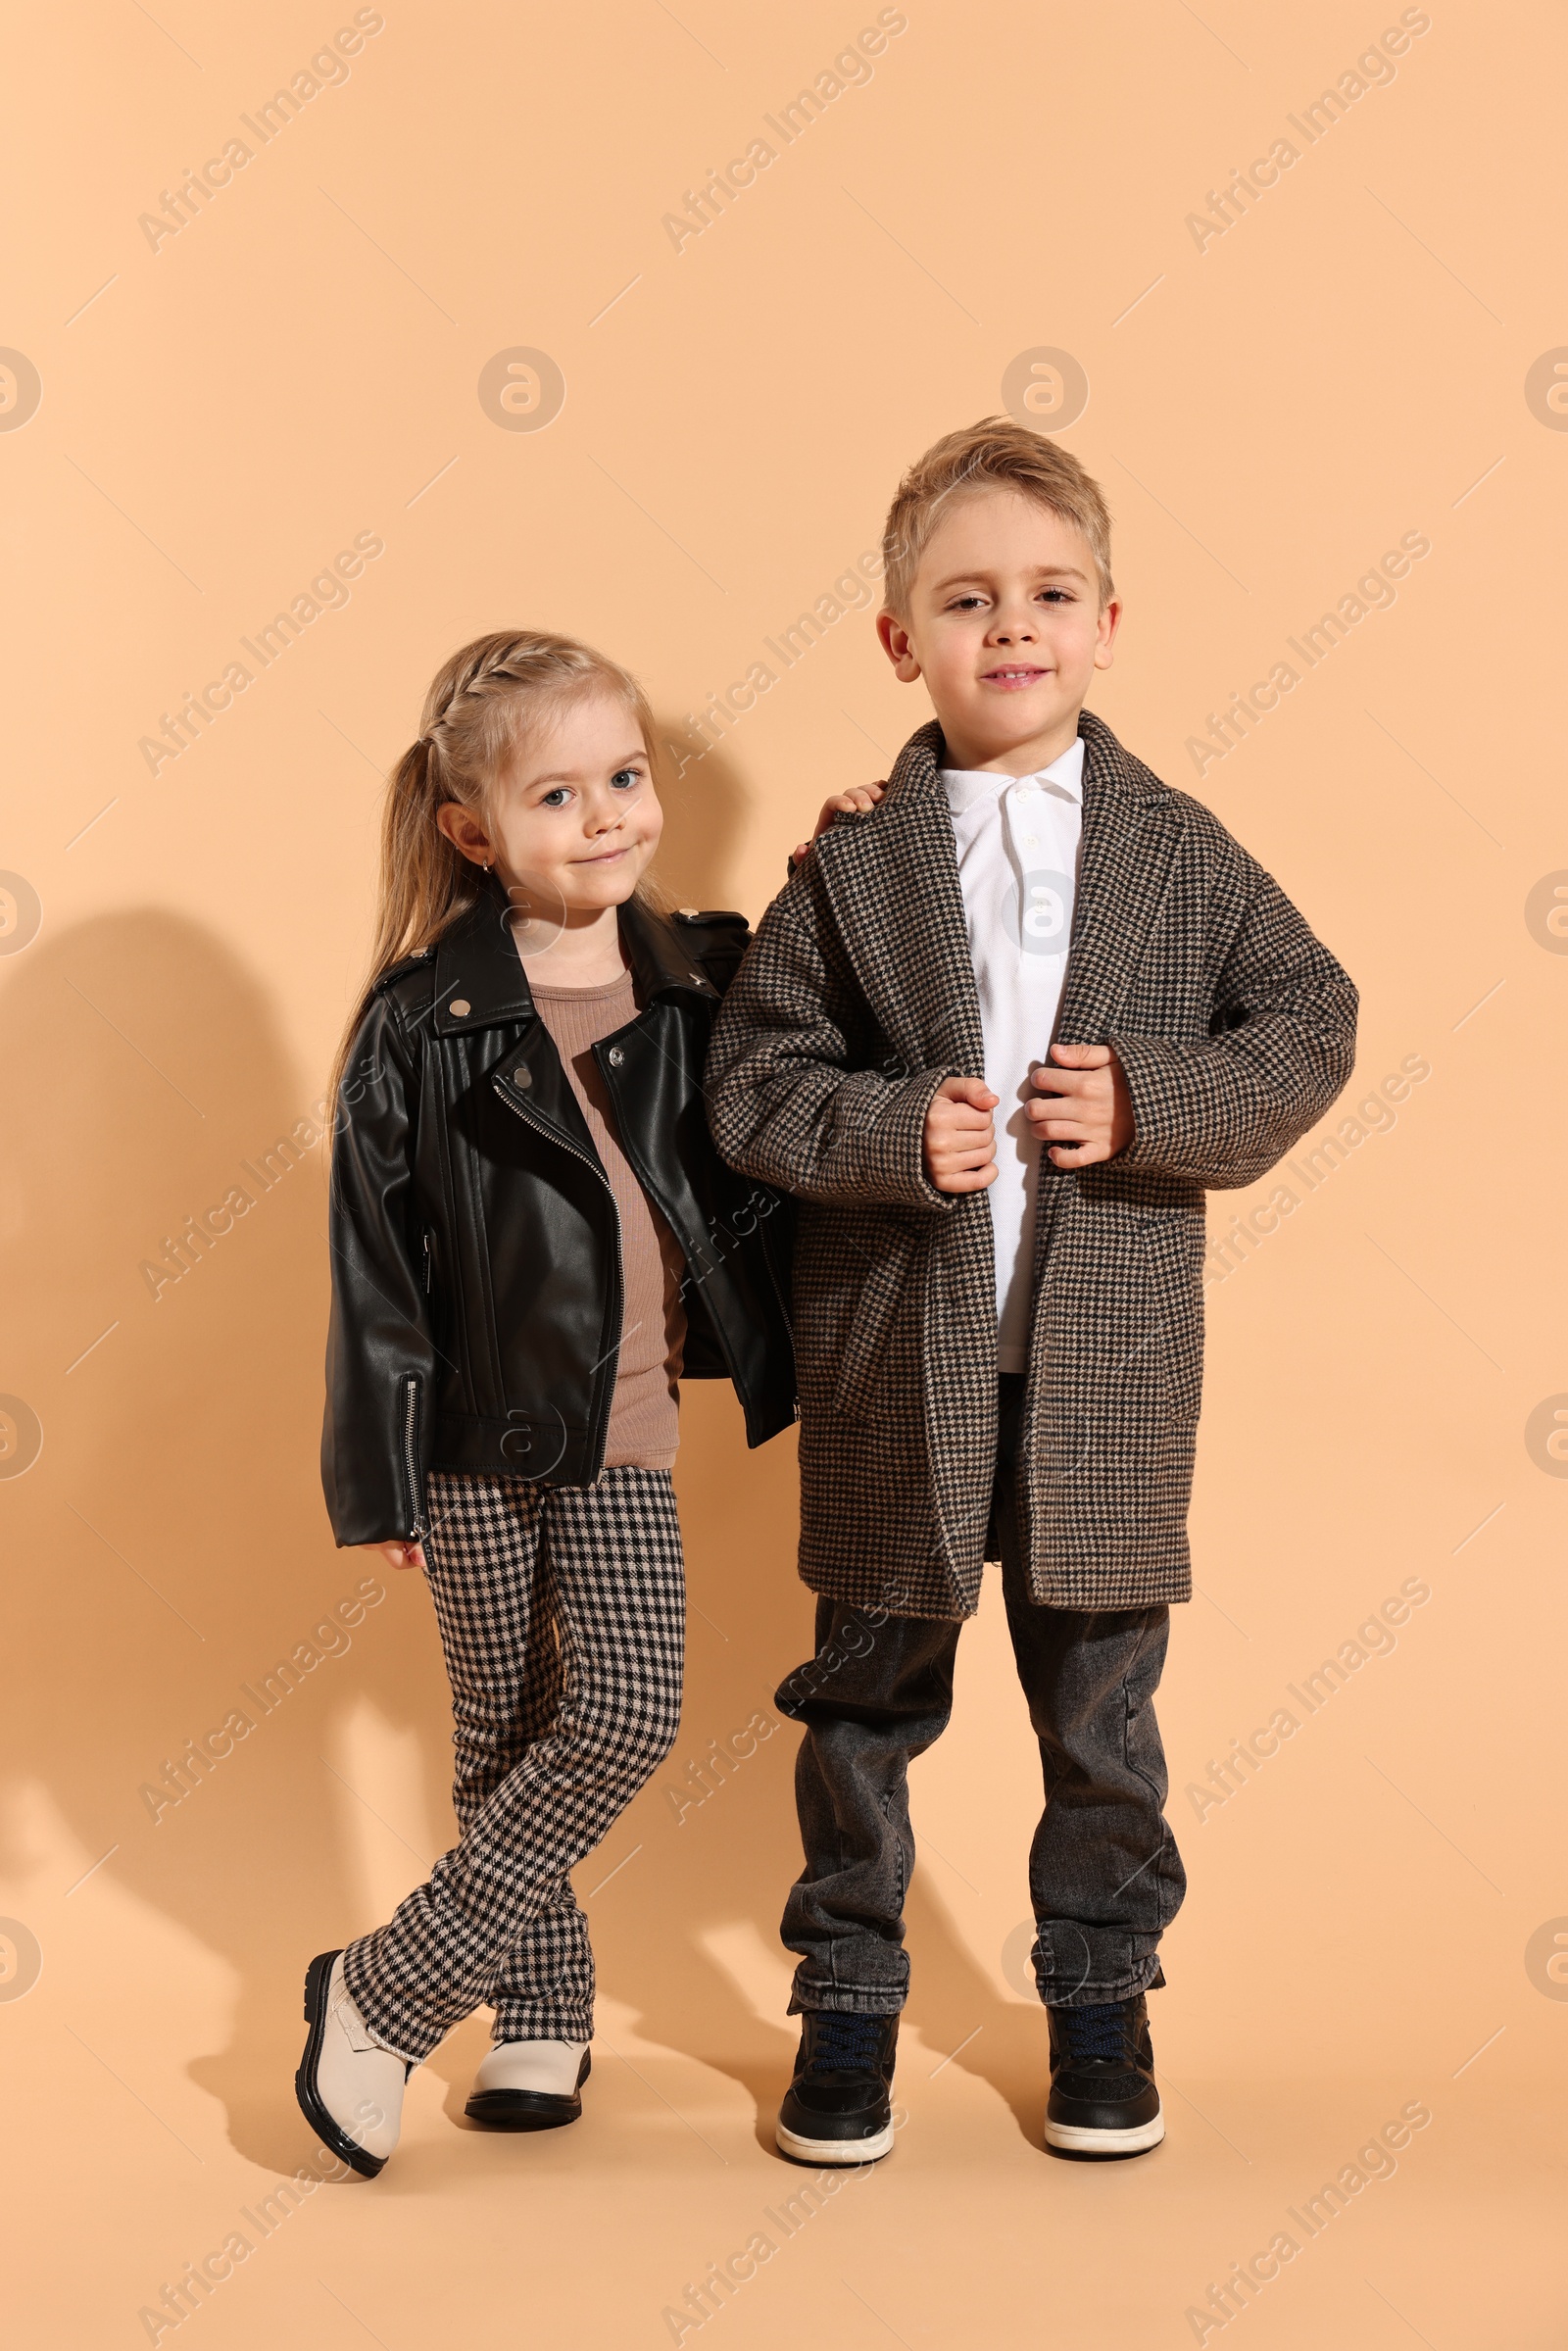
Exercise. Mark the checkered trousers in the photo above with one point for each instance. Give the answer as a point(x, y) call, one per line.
point(561, 1611)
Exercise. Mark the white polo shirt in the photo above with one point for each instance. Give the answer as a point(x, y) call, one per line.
point(1017, 840)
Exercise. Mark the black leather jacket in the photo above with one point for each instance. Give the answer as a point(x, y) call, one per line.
point(476, 1281)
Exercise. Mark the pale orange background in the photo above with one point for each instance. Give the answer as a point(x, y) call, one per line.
point(219, 417)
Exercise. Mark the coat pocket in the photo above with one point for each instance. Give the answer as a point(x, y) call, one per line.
point(870, 1363)
point(1174, 1242)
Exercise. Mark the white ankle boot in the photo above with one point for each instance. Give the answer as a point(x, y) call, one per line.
point(530, 2084)
point(348, 2085)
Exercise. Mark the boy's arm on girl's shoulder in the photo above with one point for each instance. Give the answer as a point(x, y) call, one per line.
point(1223, 1113)
point(379, 1335)
point(783, 1102)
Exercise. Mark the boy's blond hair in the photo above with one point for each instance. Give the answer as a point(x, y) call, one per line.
point(994, 453)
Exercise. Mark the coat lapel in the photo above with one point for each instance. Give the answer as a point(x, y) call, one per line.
point(893, 878)
point(1129, 847)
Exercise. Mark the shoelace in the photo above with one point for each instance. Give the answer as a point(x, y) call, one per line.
point(1096, 2031)
point(844, 2043)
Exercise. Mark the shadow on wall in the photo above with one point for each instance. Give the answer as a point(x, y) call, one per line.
point(705, 816)
point(176, 1546)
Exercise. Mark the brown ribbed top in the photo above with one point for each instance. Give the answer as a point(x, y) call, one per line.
point(644, 1411)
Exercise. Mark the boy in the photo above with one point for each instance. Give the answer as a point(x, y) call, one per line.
point(998, 1311)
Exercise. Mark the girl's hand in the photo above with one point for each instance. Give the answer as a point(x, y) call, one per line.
point(858, 801)
point(397, 1554)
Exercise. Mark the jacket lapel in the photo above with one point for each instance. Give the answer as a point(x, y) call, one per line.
point(1129, 846)
point(893, 879)
point(480, 979)
point(660, 961)
point(481, 985)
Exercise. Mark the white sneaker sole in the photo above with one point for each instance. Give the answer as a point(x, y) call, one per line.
point(833, 2150)
point(1074, 2139)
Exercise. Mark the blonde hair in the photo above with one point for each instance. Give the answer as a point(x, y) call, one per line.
point(996, 453)
point(480, 706)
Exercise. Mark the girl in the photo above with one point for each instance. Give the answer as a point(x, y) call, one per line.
point(532, 1237)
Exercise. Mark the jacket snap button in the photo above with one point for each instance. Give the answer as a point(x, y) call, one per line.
point(687, 914)
point(459, 1006)
point(616, 1056)
point(522, 1078)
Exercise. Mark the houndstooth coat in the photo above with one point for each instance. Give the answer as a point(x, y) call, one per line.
point(857, 998)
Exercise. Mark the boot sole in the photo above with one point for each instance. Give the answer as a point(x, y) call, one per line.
point(1075, 2138)
point(825, 2151)
point(521, 2110)
point(529, 2109)
point(318, 1983)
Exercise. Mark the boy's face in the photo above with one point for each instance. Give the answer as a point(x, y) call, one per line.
point(1006, 628)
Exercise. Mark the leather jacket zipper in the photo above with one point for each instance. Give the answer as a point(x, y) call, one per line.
point(778, 1293)
point(783, 1307)
point(411, 1456)
point(599, 1400)
point(644, 1173)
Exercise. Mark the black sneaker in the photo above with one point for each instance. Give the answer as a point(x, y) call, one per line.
point(839, 2107)
point(1102, 2095)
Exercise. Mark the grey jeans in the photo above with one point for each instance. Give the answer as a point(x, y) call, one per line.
point(1105, 1876)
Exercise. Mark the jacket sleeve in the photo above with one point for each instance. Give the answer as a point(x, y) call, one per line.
point(783, 1102)
point(1283, 1045)
point(379, 1353)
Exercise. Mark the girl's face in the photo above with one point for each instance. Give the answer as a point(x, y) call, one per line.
point(573, 824)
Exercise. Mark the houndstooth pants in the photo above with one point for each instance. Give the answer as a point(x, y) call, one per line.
point(561, 1611)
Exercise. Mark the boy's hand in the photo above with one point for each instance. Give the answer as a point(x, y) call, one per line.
point(854, 802)
point(397, 1554)
point(959, 1142)
point(1088, 1112)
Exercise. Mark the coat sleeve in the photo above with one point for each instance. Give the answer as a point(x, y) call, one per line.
point(380, 1356)
point(1282, 1046)
point(784, 1102)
